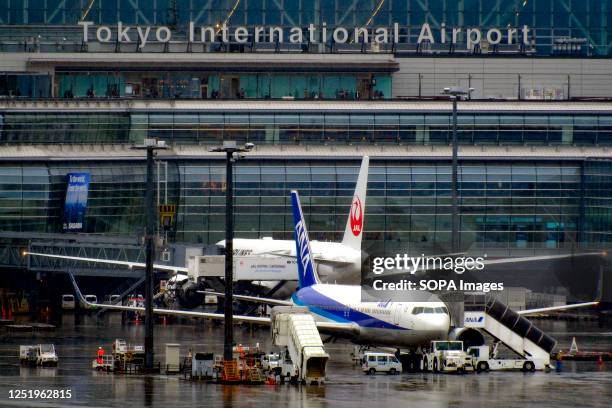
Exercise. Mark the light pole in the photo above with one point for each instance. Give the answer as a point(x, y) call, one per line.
point(150, 145)
point(230, 148)
point(455, 94)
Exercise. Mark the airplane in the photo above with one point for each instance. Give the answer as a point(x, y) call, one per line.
point(339, 309)
point(334, 261)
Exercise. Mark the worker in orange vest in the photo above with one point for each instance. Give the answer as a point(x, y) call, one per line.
point(100, 355)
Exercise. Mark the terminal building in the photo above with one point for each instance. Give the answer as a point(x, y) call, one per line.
point(314, 84)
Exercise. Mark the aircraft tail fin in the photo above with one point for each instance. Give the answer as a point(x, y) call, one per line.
point(353, 233)
point(306, 271)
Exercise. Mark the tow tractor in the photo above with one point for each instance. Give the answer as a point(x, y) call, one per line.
point(485, 359)
point(446, 356)
point(39, 355)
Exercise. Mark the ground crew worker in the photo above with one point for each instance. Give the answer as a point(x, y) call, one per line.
point(100, 355)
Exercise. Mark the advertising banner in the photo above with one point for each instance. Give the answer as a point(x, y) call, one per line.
point(76, 201)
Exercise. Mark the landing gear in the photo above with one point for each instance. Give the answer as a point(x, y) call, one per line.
point(425, 365)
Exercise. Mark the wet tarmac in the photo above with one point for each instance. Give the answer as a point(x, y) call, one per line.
point(580, 384)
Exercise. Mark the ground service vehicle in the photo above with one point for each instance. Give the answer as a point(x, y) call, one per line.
point(68, 302)
point(271, 363)
point(46, 355)
point(380, 362)
point(484, 360)
point(41, 354)
point(446, 356)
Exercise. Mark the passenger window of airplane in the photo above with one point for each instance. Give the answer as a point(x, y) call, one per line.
point(428, 310)
point(417, 310)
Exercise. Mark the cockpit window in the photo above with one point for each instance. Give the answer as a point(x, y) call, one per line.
point(437, 310)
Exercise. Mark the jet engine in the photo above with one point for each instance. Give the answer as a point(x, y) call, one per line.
point(469, 336)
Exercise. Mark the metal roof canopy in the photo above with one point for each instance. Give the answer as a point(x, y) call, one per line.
point(292, 106)
point(236, 62)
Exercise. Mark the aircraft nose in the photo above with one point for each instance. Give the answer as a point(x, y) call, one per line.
point(439, 322)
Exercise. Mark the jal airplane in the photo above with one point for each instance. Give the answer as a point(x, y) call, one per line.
point(334, 261)
point(338, 309)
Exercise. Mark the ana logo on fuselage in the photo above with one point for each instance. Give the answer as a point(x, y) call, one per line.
point(356, 216)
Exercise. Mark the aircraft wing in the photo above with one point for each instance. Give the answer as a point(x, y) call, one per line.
point(254, 299)
point(332, 328)
point(338, 260)
point(346, 330)
point(556, 308)
point(131, 265)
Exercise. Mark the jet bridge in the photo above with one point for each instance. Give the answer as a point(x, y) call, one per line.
point(520, 335)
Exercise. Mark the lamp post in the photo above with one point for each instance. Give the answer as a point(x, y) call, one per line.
point(455, 94)
point(150, 145)
point(230, 148)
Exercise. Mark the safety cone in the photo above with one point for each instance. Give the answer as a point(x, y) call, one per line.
point(600, 360)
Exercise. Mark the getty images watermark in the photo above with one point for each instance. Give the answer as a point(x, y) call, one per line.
point(403, 265)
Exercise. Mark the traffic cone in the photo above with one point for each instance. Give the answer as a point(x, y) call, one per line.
point(600, 360)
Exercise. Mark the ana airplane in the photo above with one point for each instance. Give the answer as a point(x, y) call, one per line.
point(338, 309)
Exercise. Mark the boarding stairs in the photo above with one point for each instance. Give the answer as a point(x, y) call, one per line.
point(295, 329)
point(520, 335)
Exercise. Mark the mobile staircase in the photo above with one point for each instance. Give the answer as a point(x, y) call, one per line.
point(486, 313)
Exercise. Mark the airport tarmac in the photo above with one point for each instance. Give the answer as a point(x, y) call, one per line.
point(580, 384)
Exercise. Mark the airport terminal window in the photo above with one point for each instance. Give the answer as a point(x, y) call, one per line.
point(513, 208)
point(25, 86)
point(305, 128)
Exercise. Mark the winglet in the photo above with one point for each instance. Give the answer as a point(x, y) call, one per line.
point(306, 271)
point(353, 232)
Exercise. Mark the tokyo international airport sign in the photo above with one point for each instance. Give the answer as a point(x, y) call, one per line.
point(76, 201)
point(471, 36)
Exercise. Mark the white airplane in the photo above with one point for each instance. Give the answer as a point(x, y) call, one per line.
point(338, 309)
point(334, 261)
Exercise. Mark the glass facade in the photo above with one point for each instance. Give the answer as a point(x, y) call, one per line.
point(25, 86)
point(74, 128)
point(226, 85)
point(308, 127)
point(508, 207)
point(554, 23)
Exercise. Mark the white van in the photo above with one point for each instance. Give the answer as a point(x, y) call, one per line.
point(91, 299)
point(373, 363)
point(68, 302)
point(112, 299)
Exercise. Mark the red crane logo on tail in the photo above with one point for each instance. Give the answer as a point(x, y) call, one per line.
point(356, 216)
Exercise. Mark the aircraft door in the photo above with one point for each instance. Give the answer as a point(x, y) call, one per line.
point(406, 313)
point(396, 314)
